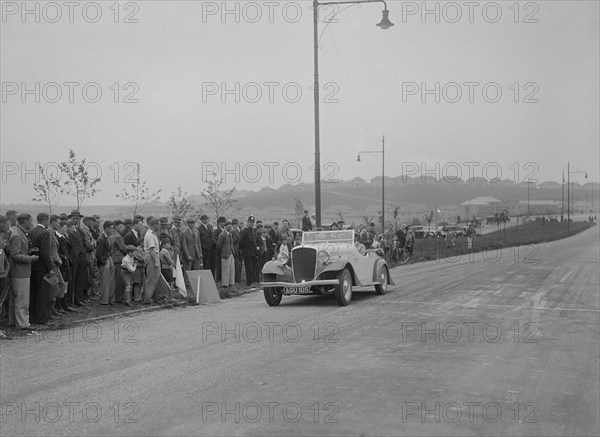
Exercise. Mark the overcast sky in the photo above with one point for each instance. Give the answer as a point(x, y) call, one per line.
point(177, 61)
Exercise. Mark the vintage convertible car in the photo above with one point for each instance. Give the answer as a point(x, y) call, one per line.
point(327, 262)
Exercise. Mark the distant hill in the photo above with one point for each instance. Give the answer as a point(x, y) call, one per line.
point(360, 199)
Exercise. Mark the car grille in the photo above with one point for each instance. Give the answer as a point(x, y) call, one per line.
point(304, 261)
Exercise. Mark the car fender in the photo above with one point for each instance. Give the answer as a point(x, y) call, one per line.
point(275, 268)
point(381, 264)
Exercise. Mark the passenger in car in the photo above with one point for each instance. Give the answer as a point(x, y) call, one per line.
point(359, 246)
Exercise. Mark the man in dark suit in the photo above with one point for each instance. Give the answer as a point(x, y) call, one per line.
point(132, 238)
point(188, 244)
point(249, 250)
point(306, 223)
point(217, 261)
point(206, 241)
point(197, 261)
point(237, 257)
point(274, 237)
point(225, 253)
point(42, 271)
point(78, 262)
point(106, 287)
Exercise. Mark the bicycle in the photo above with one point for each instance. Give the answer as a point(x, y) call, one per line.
point(401, 255)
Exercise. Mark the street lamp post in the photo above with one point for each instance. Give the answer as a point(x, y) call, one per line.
point(385, 23)
point(569, 172)
point(382, 151)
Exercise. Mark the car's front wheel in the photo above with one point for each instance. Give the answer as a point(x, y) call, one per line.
point(343, 291)
point(272, 294)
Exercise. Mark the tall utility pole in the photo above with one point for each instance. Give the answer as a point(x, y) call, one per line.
point(568, 197)
point(562, 199)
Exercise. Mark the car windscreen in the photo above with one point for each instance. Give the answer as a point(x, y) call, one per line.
point(324, 236)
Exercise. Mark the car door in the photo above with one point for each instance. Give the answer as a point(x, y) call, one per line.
point(362, 265)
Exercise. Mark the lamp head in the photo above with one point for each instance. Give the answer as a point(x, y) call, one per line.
point(385, 22)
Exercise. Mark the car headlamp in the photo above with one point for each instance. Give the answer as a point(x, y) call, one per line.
point(323, 256)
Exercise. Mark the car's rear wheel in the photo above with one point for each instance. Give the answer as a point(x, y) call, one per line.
point(272, 294)
point(343, 291)
point(384, 279)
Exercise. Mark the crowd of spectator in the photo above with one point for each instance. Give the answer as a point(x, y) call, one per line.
point(62, 263)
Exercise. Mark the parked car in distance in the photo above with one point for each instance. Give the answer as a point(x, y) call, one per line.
point(418, 230)
point(326, 263)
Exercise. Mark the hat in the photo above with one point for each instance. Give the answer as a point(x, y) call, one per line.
point(127, 222)
point(306, 211)
point(117, 222)
point(203, 217)
point(165, 237)
point(334, 224)
point(130, 248)
point(190, 220)
point(176, 219)
point(228, 223)
point(74, 213)
point(63, 216)
point(3, 219)
point(23, 216)
point(251, 219)
point(221, 220)
point(139, 217)
point(163, 220)
point(234, 221)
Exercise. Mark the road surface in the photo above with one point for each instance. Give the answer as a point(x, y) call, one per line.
point(506, 344)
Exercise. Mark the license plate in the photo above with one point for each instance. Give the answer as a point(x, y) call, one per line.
point(297, 290)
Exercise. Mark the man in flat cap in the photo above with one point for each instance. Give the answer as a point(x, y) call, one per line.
point(237, 256)
point(42, 271)
point(118, 251)
point(128, 226)
point(206, 241)
point(78, 257)
point(20, 273)
point(306, 223)
point(197, 253)
point(225, 253)
point(217, 261)
point(249, 250)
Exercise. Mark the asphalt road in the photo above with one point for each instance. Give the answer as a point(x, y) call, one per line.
point(471, 347)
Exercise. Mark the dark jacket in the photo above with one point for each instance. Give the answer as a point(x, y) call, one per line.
point(131, 239)
point(118, 248)
point(206, 236)
point(248, 243)
point(274, 239)
point(306, 224)
point(40, 237)
point(64, 251)
point(103, 250)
